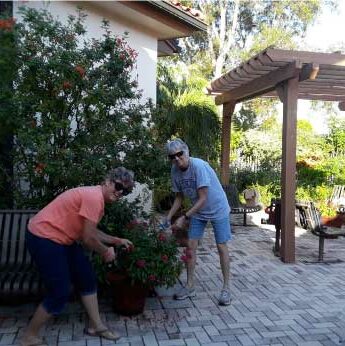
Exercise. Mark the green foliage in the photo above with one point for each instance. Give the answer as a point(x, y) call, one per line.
point(336, 136)
point(77, 109)
point(259, 24)
point(120, 214)
point(185, 111)
point(154, 259)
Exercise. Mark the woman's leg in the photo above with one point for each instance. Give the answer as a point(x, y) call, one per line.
point(40, 317)
point(51, 261)
point(85, 281)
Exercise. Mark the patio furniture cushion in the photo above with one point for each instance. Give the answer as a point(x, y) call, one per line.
point(236, 206)
point(18, 276)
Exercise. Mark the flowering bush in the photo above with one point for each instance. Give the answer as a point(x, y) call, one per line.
point(154, 259)
point(71, 106)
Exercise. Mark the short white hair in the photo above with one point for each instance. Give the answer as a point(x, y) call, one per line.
point(176, 145)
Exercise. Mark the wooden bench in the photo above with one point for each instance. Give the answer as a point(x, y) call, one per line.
point(236, 206)
point(18, 277)
point(309, 218)
point(313, 223)
point(337, 199)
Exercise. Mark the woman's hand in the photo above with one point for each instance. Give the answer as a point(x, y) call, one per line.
point(126, 243)
point(181, 222)
point(109, 255)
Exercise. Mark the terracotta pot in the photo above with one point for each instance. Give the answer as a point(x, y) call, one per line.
point(128, 299)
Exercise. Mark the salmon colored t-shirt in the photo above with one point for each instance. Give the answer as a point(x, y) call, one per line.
point(63, 219)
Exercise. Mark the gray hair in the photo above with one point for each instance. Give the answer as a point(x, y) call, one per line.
point(122, 174)
point(176, 145)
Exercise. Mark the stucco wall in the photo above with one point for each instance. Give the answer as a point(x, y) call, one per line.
point(144, 43)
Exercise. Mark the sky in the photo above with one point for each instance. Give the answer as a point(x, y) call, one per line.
point(327, 32)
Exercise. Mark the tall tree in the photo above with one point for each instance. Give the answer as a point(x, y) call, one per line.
point(240, 28)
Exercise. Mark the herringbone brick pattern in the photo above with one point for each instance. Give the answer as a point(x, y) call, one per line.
point(272, 303)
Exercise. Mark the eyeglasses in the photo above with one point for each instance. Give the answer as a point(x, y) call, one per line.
point(174, 156)
point(124, 191)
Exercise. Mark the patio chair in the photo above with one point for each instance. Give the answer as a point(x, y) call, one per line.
point(337, 199)
point(236, 206)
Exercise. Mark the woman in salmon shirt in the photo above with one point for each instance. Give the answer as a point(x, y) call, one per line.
point(54, 239)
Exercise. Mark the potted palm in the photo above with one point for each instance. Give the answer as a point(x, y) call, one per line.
point(153, 261)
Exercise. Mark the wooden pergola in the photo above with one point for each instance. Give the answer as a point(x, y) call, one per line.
point(289, 75)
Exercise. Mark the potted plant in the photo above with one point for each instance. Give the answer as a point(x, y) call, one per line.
point(154, 260)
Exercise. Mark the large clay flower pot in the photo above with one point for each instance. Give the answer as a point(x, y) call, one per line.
point(128, 299)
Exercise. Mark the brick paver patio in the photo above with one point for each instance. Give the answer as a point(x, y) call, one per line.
point(272, 303)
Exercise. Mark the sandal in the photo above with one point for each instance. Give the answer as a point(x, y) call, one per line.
point(103, 333)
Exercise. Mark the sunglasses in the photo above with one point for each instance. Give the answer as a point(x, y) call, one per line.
point(119, 187)
point(174, 156)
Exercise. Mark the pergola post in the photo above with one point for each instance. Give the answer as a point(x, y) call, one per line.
point(228, 110)
point(288, 171)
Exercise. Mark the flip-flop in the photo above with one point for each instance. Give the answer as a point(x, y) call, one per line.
point(103, 333)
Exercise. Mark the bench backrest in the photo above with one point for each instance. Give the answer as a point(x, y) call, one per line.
point(232, 195)
point(337, 198)
point(310, 216)
point(13, 225)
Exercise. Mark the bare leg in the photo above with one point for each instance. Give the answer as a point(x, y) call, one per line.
point(192, 246)
point(90, 303)
point(40, 317)
point(96, 326)
point(224, 259)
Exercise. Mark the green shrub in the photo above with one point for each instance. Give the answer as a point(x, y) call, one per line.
point(78, 111)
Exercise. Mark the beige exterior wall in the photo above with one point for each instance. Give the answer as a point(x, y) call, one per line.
point(143, 42)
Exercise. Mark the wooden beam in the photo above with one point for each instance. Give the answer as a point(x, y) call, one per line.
point(260, 85)
point(288, 174)
point(306, 57)
point(228, 110)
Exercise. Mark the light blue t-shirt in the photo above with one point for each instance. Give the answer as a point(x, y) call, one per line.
point(200, 174)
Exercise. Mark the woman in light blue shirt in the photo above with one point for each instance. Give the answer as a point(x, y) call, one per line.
point(194, 178)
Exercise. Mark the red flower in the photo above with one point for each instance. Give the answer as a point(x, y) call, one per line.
point(184, 258)
point(122, 57)
point(152, 277)
point(40, 167)
point(80, 70)
point(7, 24)
point(141, 263)
point(165, 258)
point(66, 85)
point(162, 237)
point(132, 224)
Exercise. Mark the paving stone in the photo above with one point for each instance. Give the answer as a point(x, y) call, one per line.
point(272, 303)
point(192, 342)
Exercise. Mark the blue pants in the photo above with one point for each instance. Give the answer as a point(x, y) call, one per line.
point(59, 267)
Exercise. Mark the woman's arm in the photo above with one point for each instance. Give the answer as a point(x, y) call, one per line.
point(109, 239)
point(176, 205)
